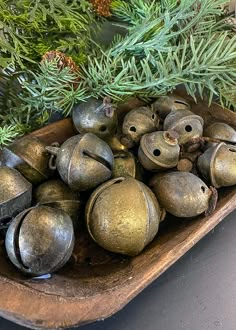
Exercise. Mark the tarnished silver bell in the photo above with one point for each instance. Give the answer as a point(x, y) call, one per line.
point(185, 123)
point(182, 194)
point(95, 116)
point(220, 131)
point(84, 161)
point(136, 123)
point(218, 165)
point(29, 157)
point(123, 216)
point(15, 194)
point(159, 150)
point(40, 240)
point(165, 104)
point(55, 193)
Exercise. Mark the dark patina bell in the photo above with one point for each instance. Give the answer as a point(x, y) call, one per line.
point(84, 161)
point(40, 240)
point(218, 165)
point(182, 194)
point(15, 194)
point(185, 123)
point(95, 116)
point(159, 150)
point(123, 216)
point(29, 157)
point(55, 193)
point(165, 104)
point(221, 132)
point(125, 164)
point(136, 123)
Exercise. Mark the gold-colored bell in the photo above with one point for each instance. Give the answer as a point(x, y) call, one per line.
point(182, 194)
point(15, 193)
point(114, 142)
point(29, 157)
point(123, 216)
point(136, 123)
point(185, 123)
point(40, 240)
point(220, 131)
point(218, 165)
point(165, 104)
point(95, 116)
point(159, 150)
point(55, 193)
point(84, 161)
point(124, 164)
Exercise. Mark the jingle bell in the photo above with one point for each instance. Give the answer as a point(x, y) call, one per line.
point(222, 132)
point(123, 216)
point(165, 104)
point(182, 194)
point(185, 123)
point(55, 193)
point(84, 161)
point(40, 240)
point(159, 150)
point(95, 116)
point(218, 165)
point(29, 157)
point(136, 123)
point(15, 193)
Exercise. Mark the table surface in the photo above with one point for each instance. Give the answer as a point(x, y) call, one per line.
point(198, 292)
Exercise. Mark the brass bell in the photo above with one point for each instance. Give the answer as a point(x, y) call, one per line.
point(15, 194)
point(84, 161)
point(218, 165)
point(29, 157)
point(159, 150)
point(136, 123)
point(182, 194)
point(125, 164)
point(165, 104)
point(185, 123)
point(40, 240)
point(55, 193)
point(95, 116)
point(123, 216)
point(220, 131)
point(114, 141)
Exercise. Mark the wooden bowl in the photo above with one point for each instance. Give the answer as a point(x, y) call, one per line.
point(95, 283)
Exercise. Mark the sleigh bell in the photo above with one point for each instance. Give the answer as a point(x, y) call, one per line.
point(165, 104)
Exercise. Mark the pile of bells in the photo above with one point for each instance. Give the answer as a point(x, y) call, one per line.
point(114, 158)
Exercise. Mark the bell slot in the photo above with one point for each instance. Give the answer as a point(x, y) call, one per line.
point(99, 159)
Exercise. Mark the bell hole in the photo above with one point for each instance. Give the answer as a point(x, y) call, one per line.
point(156, 152)
point(188, 128)
point(203, 189)
point(153, 117)
point(103, 128)
point(132, 129)
point(232, 150)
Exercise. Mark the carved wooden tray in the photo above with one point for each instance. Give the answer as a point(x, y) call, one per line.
point(96, 284)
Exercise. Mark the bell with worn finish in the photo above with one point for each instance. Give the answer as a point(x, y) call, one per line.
point(221, 132)
point(15, 194)
point(95, 116)
point(159, 150)
point(40, 240)
point(29, 157)
point(55, 193)
point(114, 142)
point(123, 216)
point(136, 123)
point(84, 161)
point(218, 165)
point(182, 194)
point(125, 164)
point(185, 123)
point(165, 104)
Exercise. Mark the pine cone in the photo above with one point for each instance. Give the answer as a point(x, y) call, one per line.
point(63, 60)
point(102, 7)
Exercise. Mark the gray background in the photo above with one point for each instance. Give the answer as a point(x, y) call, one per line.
point(198, 292)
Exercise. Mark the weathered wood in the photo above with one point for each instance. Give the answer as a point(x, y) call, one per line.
point(96, 283)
